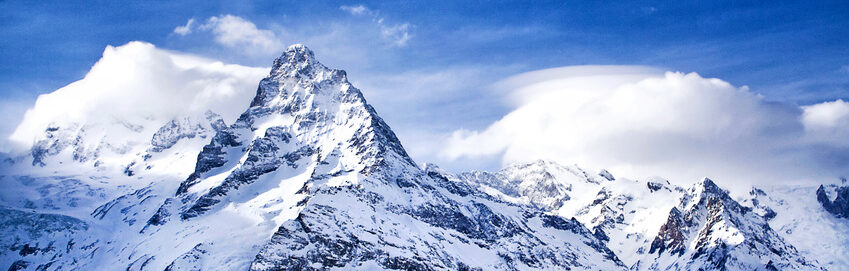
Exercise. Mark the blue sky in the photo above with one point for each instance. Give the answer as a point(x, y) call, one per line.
point(432, 64)
point(767, 45)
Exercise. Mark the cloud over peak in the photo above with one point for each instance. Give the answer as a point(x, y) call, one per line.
point(641, 122)
point(137, 83)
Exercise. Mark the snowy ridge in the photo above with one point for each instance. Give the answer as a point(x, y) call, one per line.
point(654, 225)
point(709, 229)
point(622, 212)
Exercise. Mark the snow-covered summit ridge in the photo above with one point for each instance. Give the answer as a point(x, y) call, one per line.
point(297, 55)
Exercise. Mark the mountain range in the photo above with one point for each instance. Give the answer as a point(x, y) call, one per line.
point(309, 177)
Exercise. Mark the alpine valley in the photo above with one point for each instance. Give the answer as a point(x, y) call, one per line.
point(307, 176)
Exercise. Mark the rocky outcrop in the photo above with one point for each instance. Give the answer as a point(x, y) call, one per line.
point(839, 207)
point(711, 231)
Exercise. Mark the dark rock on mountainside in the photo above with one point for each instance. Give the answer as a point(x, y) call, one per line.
point(711, 231)
point(839, 207)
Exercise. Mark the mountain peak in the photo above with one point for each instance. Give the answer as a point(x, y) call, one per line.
point(708, 187)
point(297, 55)
point(304, 114)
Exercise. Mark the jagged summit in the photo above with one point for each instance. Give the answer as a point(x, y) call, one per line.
point(710, 230)
point(303, 113)
point(708, 186)
point(297, 69)
point(706, 189)
point(295, 55)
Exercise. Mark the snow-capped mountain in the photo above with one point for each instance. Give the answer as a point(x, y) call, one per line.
point(309, 177)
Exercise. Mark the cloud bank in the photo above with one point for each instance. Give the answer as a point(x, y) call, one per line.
point(639, 122)
point(136, 83)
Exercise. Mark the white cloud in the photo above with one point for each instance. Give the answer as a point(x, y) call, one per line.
point(356, 10)
point(827, 122)
point(641, 122)
point(184, 29)
point(236, 32)
point(138, 83)
point(396, 34)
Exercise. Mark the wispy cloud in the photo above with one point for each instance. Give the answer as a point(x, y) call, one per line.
point(396, 34)
point(399, 34)
point(237, 33)
point(356, 10)
point(234, 31)
point(184, 29)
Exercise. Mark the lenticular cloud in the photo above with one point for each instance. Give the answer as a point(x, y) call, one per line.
point(639, 121)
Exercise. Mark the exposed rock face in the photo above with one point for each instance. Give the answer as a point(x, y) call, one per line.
point(711, 231)
point(670, 238)
point(839, 207)
point(187, 127)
